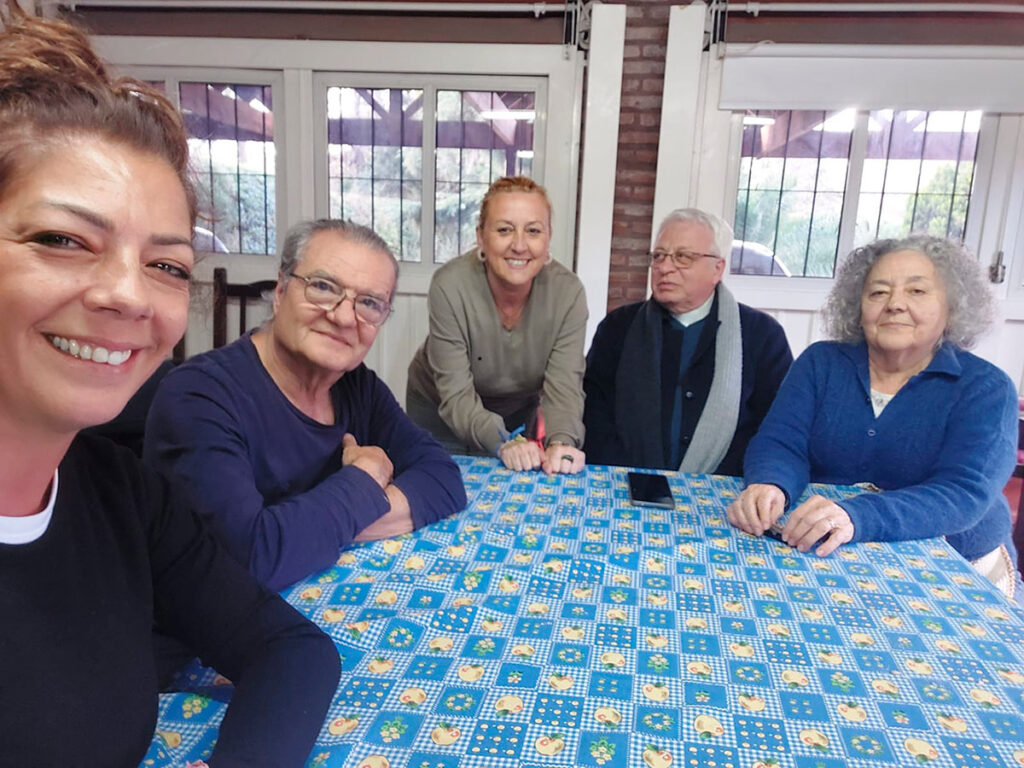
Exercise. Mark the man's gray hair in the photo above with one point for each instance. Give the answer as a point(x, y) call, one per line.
point(297, 241)
point(720, 229)
point(969, 301)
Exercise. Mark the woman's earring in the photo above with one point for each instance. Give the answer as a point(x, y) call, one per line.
point(481, 255)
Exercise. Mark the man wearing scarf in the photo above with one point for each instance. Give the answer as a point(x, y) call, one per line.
point(683, 380)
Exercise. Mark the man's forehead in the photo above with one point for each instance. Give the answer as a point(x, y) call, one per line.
point(676, 233)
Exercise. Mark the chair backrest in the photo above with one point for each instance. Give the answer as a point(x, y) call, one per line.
point(244, 292)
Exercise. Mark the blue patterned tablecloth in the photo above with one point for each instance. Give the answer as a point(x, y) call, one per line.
point(554, 624)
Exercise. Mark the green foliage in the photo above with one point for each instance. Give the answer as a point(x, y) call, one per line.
point(784, 229)
point(939, 211)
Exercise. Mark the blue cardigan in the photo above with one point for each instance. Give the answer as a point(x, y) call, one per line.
point(942, 449)
point(269, 479)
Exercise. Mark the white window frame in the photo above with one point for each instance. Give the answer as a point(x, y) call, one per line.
point(295, 109)
point(421, 271)
point(705, 171)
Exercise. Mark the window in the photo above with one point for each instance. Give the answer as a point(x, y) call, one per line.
point(341, 137)
point(918, 170)
point(814, 183)
point(375, 162)
point(793, 171)
point(231, 145)
point(378, 137)
point(481, 136)
point(233, 160)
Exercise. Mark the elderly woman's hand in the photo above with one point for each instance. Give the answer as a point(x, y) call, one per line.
point(369, 458)
point(757, 507)
point(521, 455)
point(563, 459)
point(818, 519)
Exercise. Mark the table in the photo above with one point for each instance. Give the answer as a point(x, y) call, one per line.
point(553, 624)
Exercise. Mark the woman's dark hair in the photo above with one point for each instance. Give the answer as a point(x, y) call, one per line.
point(53, 87)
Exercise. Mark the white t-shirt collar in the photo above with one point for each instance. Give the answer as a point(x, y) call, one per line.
point(23, 530)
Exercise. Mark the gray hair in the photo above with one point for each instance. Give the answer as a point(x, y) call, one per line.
point(720, 230)
point(969, 301)
point(297, 241)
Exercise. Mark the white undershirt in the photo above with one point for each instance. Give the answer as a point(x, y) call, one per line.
point(878, 401)
point(22, 530)
point(686, 319)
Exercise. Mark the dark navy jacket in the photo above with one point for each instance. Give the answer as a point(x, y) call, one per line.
point(766, 358)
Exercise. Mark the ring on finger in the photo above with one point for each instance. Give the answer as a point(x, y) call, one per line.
point(566, 457)
point(832, 524)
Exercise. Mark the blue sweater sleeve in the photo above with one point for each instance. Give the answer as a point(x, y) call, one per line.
point(424, 471)
point(975, 461)
point(779, 453)
point(196, 436)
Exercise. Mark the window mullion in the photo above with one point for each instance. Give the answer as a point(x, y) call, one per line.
point(428, 196)
point(854, 171)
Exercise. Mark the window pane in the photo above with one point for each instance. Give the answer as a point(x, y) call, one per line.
point(480, 137)
point(231, 149)
point(374, 159)
point(792, 181)
point(917, 173)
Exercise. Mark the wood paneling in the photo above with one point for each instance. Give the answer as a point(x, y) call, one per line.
point(318, 25)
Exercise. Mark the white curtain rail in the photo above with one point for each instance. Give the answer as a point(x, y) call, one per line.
point(537, 9)
point(755, 9)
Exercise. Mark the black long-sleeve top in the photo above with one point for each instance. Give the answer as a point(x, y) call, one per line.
point(77, 609)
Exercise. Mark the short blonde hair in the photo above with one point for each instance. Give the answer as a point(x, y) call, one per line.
point(512, 184)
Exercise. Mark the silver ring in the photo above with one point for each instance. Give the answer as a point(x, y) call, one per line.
point(832, 524)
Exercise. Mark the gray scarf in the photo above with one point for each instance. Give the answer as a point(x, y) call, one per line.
point(718, 420)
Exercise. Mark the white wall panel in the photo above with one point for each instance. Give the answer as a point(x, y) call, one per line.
point(771, 76)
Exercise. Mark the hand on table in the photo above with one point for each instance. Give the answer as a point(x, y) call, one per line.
point(757, 507)
point(369, 458)
point(521, 455)
point(818, 519)
point(564, 460)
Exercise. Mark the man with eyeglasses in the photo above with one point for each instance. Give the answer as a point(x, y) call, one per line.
point(286, 442)
point(682, 381)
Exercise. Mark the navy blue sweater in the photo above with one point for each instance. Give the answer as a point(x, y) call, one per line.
point(942, 449)
point(270, 479)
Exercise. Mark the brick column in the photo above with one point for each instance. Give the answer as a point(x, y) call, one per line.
point(643, 75)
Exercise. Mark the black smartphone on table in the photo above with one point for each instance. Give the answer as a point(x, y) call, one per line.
point(650, 490)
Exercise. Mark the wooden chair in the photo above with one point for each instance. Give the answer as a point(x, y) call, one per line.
point(244, 292)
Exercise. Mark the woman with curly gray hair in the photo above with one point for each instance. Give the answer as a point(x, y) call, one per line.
point(895, 399)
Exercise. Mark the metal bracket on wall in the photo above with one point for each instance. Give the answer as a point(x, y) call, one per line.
point(997, 270)
point(714, 23)
point(582, 18)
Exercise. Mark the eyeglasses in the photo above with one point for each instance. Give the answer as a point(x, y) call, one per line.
point(327, 294)
point(681, 259)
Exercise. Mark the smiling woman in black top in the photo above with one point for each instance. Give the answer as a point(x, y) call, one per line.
point(96, 215)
